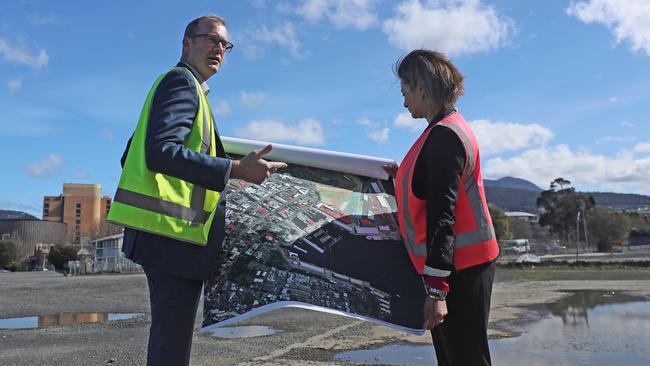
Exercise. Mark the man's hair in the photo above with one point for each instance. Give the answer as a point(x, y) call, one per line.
point(434, 73)
point(194, 24)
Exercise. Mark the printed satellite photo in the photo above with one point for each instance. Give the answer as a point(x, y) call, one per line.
point(317, 237)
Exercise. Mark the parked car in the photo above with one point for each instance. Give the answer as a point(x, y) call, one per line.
point(515, 246)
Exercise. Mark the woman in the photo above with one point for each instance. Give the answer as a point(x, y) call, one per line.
point(443, 214)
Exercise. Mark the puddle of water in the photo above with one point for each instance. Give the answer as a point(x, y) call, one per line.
point(594, 328)
point(42, 321)
point(244, 331)
point(395, 354)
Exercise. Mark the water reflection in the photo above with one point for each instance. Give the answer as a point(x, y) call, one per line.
point(574, 309)
point(243, 331)
point(394, 354)
point(64, 319)
point(595, 328)
point(585, 328)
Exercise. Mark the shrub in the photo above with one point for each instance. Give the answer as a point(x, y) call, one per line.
point(15, 266)
point(8, 253)
point(60, 255)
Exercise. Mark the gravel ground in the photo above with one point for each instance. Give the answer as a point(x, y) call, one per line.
point(306, 337)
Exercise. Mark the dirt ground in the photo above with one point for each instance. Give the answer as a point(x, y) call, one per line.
point(306, 337)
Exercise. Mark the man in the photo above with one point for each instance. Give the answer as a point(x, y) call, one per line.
point(169, 197)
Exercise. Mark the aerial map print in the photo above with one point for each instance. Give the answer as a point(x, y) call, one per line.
point(316, 238)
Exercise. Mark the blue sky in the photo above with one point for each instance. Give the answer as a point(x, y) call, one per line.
point(553, 88)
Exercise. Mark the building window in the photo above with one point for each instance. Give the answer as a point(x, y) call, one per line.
point(78, 205)
point(77, 221)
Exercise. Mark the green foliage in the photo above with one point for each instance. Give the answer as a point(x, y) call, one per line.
point(15, 266)
point(60, 255)
point(560, 205)
point(240, 272)
point(519, 229)
point(605, 226)
point(275, 259)
point(636, 233)
point(8, 252)
point(500, 223)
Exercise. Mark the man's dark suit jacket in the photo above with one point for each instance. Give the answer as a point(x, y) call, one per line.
point(172, 114)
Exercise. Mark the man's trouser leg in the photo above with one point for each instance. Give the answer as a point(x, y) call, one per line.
point(174, 301)
point(461, 339)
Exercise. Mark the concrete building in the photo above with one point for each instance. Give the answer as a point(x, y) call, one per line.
point(28, 233)
point(82, 207)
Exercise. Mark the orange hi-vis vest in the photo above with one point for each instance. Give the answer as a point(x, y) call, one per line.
point(474, 239)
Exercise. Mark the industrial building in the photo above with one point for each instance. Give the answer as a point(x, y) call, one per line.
point(27, 233)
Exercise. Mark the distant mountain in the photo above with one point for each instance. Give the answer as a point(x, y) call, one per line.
point(512, 182)
point(512, 199)
point(627, 201)
point(515, 194)
point(15, 215)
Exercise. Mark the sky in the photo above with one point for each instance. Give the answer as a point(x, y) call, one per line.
point(552, 88)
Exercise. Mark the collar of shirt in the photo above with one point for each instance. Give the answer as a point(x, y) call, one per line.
point(445, 112)
point(204, 84)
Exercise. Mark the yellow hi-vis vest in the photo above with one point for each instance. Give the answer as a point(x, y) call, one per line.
point(159, 203)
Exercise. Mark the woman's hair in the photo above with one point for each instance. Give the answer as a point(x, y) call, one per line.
point(434, 73)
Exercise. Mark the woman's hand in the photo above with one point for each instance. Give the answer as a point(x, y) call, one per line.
point(434, 312)
point(391, 169)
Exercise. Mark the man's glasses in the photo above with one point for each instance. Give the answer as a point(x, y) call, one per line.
point(214, 40)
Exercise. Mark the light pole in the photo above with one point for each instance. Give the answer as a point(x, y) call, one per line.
point(577, 234)
point(584, 226)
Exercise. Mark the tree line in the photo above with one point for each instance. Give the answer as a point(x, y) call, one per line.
point(573, 217)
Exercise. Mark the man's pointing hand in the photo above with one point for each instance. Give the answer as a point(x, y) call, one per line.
point(252, 168)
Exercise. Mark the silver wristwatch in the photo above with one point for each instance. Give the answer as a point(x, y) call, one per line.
point(436, 294)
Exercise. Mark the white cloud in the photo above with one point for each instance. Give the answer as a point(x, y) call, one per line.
point(613, 99)
point(626, 124)
point(44, 20)
point(45, 167)
point(364, 121)
point(358, 14)
point(221, 108)
point(107, 134)
point(256, 40)
point(15, 85)
point(379, 136)
point(497, 137)
point(252, 100)
point(82, 174)
point(19, 55)
point(455, 27)
point(308, 132)
point(544, 164)
point(260, 4)
point(642, 147)
point(404, 120)
point(610, 139)
point(8, 205)
point(628, 20)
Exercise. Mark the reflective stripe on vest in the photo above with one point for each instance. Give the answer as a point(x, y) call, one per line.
point(417, 249)
point(470, 247)
point(484, 229)
point(161, 204)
